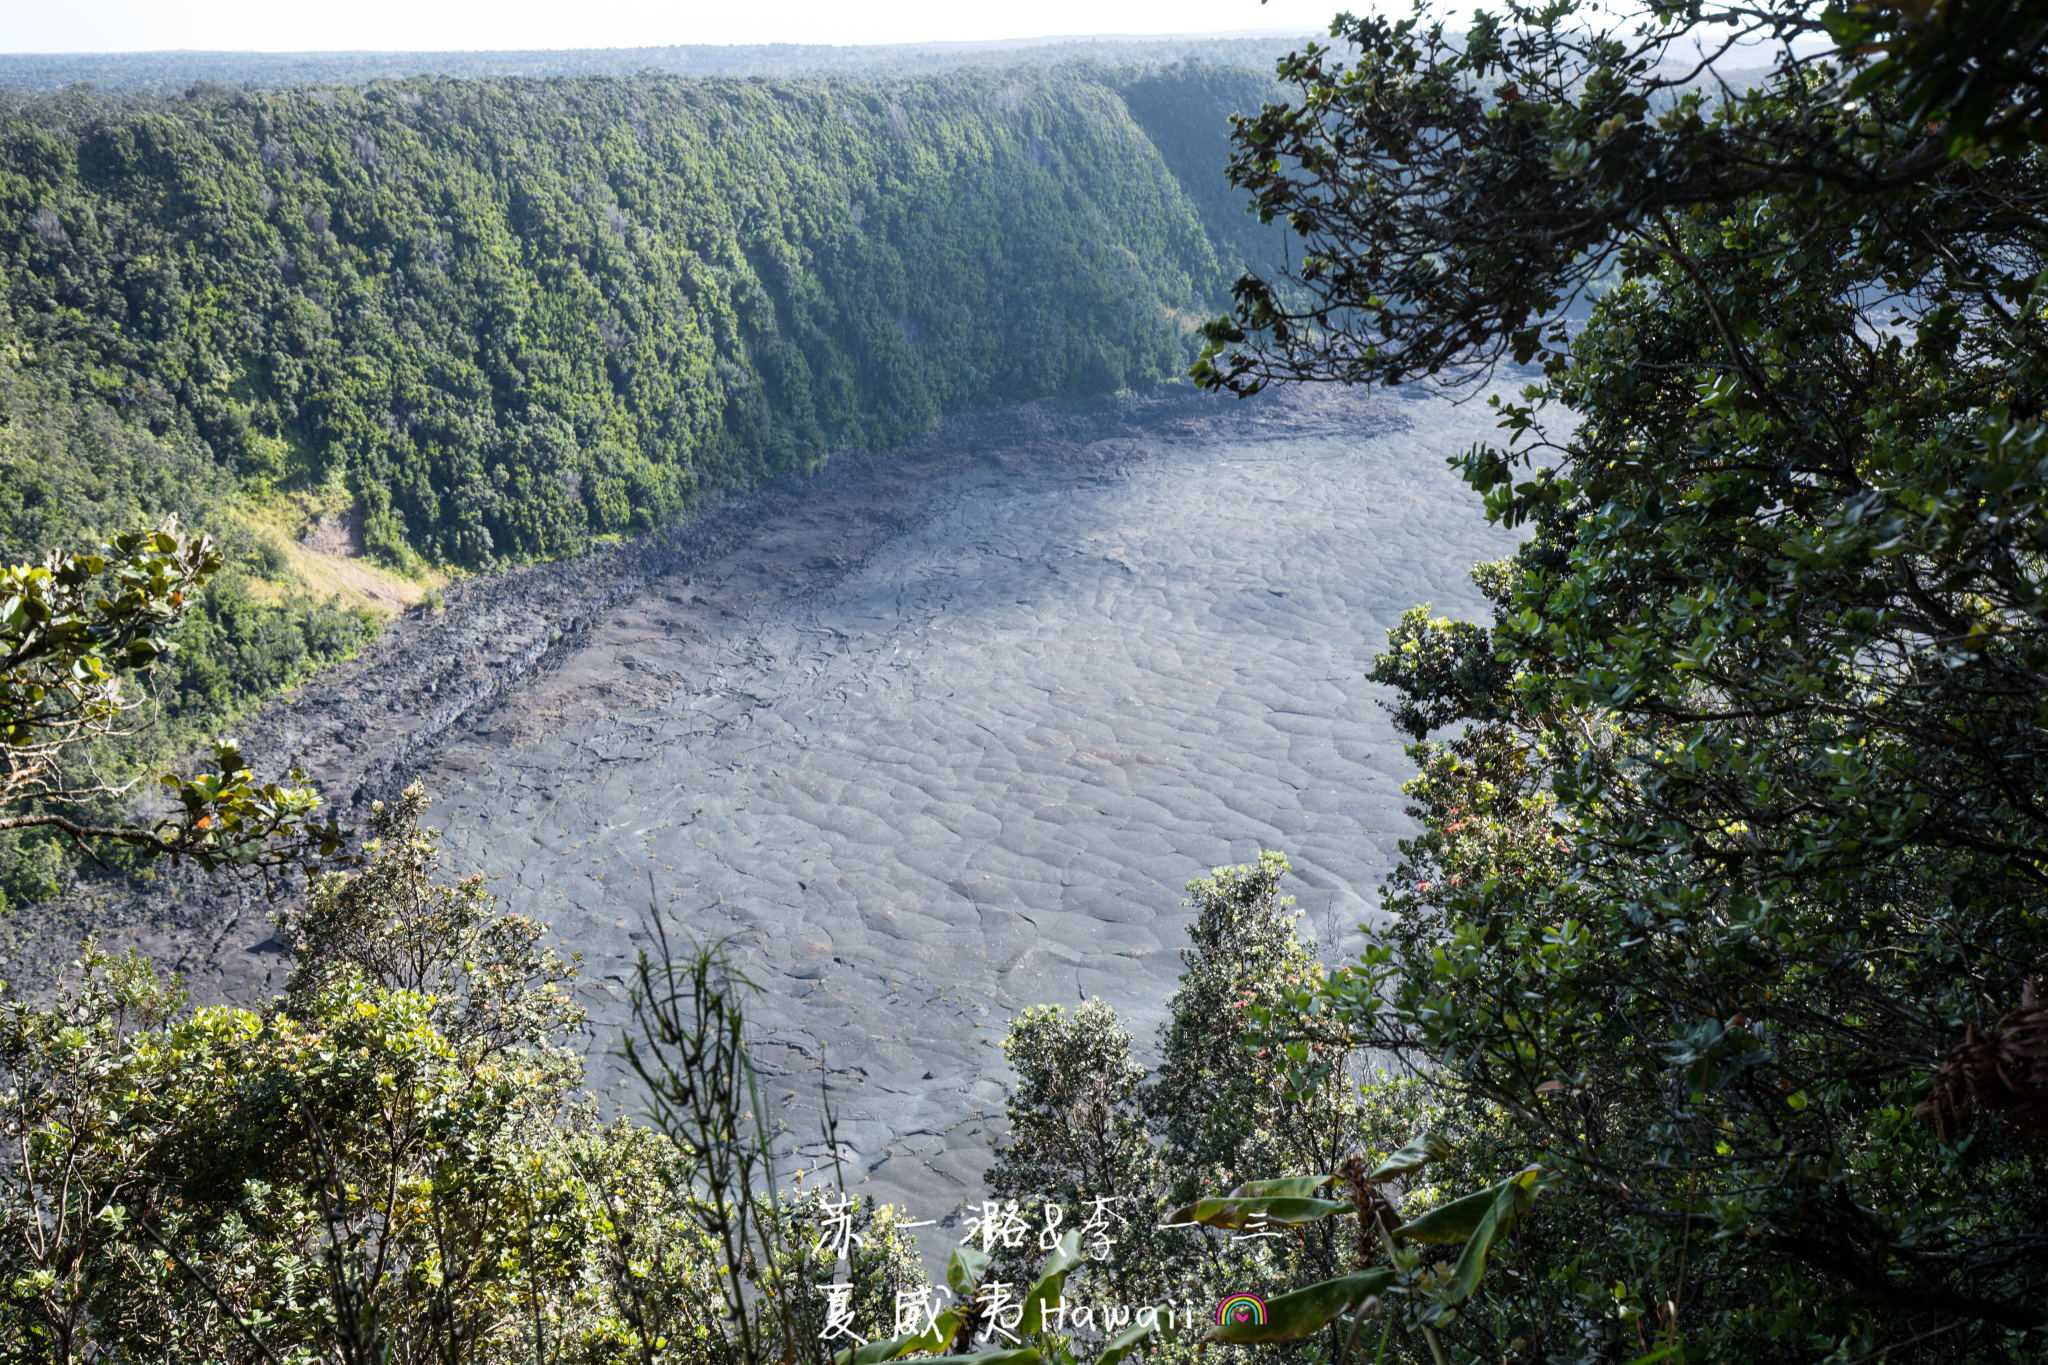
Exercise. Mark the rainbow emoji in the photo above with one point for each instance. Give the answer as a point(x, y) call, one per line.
point(1241, 1310)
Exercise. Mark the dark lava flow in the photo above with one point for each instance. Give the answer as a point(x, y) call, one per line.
point(937, 735)
point(950, 741)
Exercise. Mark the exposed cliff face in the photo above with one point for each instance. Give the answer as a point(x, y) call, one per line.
point(510, 316)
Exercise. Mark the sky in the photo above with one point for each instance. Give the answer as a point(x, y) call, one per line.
point(438, 25)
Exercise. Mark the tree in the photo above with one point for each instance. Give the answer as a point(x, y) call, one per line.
point(1216, 1106)
point(1454, 191)
point(353, 292)
point(704, 1097)
point(377, 1166)
point(1077, 1133)
point(430, 1149)
point(493, 986)
point(1731, 883)
point(1085, 1122)
point(78, 1143)
point(77, 632)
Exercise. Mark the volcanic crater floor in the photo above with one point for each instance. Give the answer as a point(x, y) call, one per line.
point(930, 737)
point(953, 745)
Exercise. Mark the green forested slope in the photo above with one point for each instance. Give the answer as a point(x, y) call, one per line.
point(1185, 110)
point(510, 315)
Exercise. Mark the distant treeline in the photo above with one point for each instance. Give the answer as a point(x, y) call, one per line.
point(511, 315)
point(172, 73)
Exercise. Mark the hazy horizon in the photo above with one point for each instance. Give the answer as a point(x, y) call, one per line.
point(934, 44)
point(171, 72)
point(136, 27)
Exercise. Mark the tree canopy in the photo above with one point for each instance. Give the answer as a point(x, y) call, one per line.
point(76, 633)
point(1732, 886)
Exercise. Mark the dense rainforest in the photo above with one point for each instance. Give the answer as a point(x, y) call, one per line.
point(509, 316)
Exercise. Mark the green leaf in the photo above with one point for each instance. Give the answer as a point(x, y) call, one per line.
point(1659, 1354)
point(1026, 1355)
point(964, 1269)
point(1051, 1280)
point(1287, 1187)
point(1452, 1222)
point(933, 1338)
point(1127, 1341)
point(1422, 1149)
point(1479, 1220)
point(1303, 1312)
